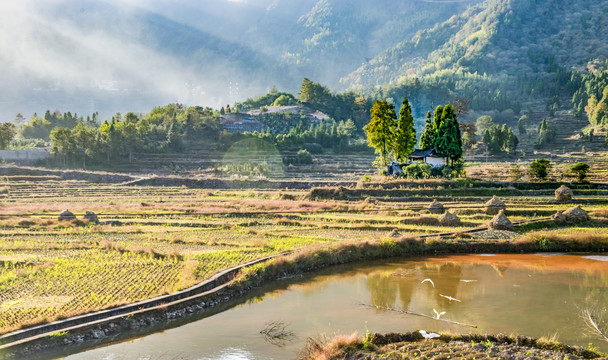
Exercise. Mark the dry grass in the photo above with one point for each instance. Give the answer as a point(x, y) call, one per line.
point(602, 213)
point(320, 349)
point(550, 237)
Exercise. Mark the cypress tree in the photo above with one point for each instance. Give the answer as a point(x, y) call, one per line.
point(449, 142)
point(405, 136)
point(427, 139)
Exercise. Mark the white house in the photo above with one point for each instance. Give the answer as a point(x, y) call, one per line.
point(429, 156)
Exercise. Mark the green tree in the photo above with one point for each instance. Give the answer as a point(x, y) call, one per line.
point(283, 100)
point(7, 133)
point(437, 118)
point(449, 142)
point(405, 135)
point(522, 122)
point(545, 133)
point(83, 139)
point(62, 143)
point(539, 169)
point(511, 141)
point(483, 123)
point(381, 130)
point(580, 170)
point(347, 129)
point(427, 139)
point(19, 120)
point(590, 108)
point(516, 174)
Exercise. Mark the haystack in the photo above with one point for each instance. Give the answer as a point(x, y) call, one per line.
point(66, 215)
point(501, 222)
point(449, 219)
point(576, 214)
point(435, 207)
point(563, 194)
point(91, 217)
point(494, 206)
point(559, 217)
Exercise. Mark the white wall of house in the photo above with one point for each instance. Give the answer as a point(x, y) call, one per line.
point(433, 161)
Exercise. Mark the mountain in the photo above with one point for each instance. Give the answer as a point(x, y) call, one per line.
point(501, 39)
point(117, 56)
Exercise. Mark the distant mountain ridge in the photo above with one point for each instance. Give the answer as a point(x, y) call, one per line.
point(500, 38)
point(113, 55)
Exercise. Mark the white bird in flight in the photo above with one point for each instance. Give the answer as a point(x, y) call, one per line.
point(449, 298)
point(427, 335)
point(429, 280)
point(438, 314)
point(468, 281)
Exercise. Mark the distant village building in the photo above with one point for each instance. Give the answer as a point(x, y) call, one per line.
point(237, 123)
point(429, 156)
point(320, 116)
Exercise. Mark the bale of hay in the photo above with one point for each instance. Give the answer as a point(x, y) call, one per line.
point(576, 214)
point(66, 215)
point(559, 217)
point(563, 194)
point(91, 217)
point(494, 206)
point(435, 207)
point(501, 222)
point(449, 219)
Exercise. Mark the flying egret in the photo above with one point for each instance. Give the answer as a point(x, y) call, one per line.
point(429, 336)
point(449, 298)
point(438, 314)
point(429, 280)
point(468, 281)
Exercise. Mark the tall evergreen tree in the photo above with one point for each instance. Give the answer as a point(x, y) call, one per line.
point(381, 130)
point(427, 139)
point(405, 136)
point(437, 118)
point(449, 142)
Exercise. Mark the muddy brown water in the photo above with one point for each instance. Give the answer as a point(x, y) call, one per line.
point(534, 295)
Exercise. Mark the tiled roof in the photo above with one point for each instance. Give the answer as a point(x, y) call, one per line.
point(425, 153)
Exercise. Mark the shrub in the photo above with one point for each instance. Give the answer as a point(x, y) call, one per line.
point(417, 171)
point(580, 170)
point(313, 148)
point(515, 173)
point(304, 157)
point(539, 169)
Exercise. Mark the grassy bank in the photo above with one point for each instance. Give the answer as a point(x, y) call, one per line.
point(447, 346)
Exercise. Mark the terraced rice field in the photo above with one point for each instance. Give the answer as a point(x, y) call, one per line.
point(156, 240)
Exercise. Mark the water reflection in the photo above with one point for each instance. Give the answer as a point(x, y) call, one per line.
point(533, 295)
point(382, 288)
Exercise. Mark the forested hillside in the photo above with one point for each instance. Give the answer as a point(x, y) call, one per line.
point(512, 41)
